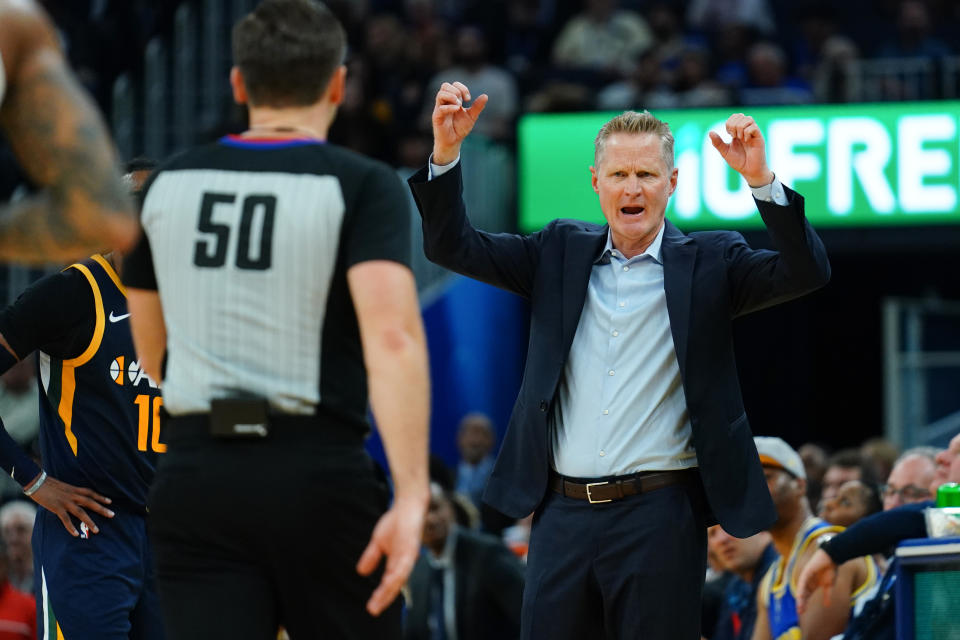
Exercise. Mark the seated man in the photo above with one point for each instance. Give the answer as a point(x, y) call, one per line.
point(748, 559)
point(796, 535)
point(876, 534)
point(18, 610)
point(465, 585)
point(911, 477)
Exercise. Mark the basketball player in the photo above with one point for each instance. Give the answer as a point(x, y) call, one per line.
point(99, 441)
point(273, 272)
point(61, 143)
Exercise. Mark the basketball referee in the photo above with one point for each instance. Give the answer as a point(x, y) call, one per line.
point(273, 277)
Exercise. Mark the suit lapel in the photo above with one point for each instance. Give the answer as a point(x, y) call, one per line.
point(583, 249)
point(679, 257)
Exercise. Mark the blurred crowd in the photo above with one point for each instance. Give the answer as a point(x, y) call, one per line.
point(558, 55)
point(817, 493)
point(572, 55)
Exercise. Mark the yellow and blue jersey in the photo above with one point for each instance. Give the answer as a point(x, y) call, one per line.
point(99, 411)
point(780, 583)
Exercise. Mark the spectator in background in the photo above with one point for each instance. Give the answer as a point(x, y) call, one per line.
point(632, 92)
point(712, 15)
point(879, 533)
point(714, 592)
point(914, 39)
point(879, 456)
point(796, 535)
point(691, 85)
point(19, 399)
point(767, 79)
point(475, 441)
point(517, 537)
point(834, 76)
point(666, 23)
point(465, 513)
point(465, 585)
point(909, 480)
point(18, 610)
point(602, 39)
point(748, 559)
point(842, 467)
point(16, 529)
point(814, 459)
point(472, 67)
point(526, 35)
point(854, 501)
point(729, 54)
point(560, 96)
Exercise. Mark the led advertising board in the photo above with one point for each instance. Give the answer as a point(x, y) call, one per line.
point(862, 165)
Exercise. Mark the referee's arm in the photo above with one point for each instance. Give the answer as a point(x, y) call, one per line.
point(394, 351)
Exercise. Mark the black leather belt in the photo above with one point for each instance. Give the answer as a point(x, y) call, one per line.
point(618, 488)
point(196, 426)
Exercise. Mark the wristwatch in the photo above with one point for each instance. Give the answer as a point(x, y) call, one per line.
point(823, 540)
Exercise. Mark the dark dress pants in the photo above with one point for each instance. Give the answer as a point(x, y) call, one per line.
point(626, 570)
point(252, 535)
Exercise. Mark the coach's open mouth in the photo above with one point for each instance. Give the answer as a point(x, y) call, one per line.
point(631, 211)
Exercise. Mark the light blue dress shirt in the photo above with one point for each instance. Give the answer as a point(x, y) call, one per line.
point(620, 406)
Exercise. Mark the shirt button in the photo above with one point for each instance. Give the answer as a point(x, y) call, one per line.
point(606, 411)
point(615, 333)
point(611, 372)
point(623, 304)
point(602, 453)
point(626, 268)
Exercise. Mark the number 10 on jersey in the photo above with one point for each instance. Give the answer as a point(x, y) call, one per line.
point(148, 422)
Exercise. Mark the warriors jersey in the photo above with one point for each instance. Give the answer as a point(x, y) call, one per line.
point(99, 412)
point(248, 242)
point(780, 583)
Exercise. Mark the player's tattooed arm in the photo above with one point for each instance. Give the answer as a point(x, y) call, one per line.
point(61, 142)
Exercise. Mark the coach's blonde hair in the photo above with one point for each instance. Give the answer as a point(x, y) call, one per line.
point(635, 123)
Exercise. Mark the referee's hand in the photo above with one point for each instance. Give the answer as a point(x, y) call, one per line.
point(396, 536)
point(66, 500)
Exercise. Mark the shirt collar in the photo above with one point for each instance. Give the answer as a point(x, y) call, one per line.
point(654, 250)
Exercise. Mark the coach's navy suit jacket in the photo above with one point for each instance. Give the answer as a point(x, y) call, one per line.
point(709, 279)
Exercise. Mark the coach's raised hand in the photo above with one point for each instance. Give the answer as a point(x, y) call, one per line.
point(452, 122)
point(746, 153)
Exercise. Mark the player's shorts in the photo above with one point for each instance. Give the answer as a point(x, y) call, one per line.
point(97, 586)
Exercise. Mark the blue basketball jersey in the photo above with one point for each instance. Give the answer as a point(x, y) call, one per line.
point(780, 583)
point(99, 412)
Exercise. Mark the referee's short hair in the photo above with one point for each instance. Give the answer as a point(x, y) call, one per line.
point(287, 51)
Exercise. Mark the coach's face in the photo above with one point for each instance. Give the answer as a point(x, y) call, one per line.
point(634, 183)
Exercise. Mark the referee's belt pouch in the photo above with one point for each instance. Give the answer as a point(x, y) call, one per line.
point(239, 418)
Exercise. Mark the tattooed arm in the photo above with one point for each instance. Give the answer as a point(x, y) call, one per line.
point(62, 144)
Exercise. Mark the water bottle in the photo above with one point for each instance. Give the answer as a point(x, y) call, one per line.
point(948, 495)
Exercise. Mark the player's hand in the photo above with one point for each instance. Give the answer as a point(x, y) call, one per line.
point(746, 152)
point(66, 500)
point(396, 536)
point(819, 572)
point(452, 121)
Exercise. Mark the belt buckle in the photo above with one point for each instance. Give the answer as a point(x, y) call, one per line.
point(590, 497)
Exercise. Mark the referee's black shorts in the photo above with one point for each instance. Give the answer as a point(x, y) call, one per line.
point(253, 534)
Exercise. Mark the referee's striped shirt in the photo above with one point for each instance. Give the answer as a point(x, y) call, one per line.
point(248, 243)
